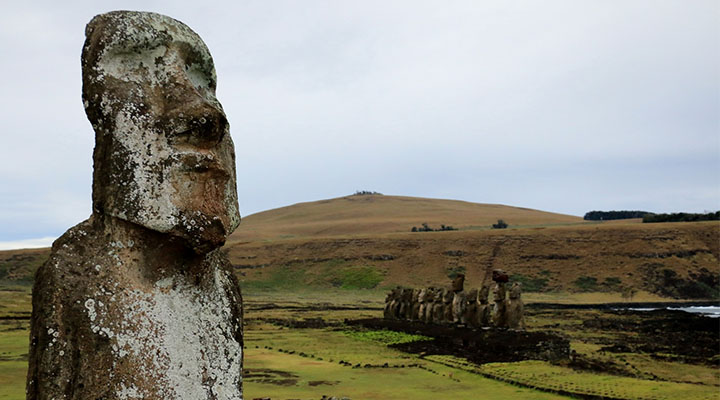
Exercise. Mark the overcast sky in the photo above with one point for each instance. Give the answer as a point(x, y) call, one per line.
point(563, 106)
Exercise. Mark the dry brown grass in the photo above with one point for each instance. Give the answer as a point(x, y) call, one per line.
point(375, 214)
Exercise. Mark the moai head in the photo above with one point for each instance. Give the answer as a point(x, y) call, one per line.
point(415, 295)
point(163, 155)
point(483, 294)
point(515, 290)
point(458, 283)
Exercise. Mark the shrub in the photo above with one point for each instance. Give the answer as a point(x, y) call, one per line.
point(586, 283)
point(530, 283)
point(500, 225)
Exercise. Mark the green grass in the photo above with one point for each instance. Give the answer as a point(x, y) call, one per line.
point(539, 374)
point(586, 283)
point(529, 283)
point(385, 336)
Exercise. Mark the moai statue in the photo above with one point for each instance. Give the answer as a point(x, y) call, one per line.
point(388, 300)
point(395, 303)
point(470, 315)
point(415, 305)
point(430, 304)
point(403, 306)
point(138, 301)
point(422, 305)
point(439, 309)
point(499, 312)
point(483, 308)
point(515, 312)
point(448, 296)
point(459, 307)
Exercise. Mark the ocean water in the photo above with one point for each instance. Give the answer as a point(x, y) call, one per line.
point(708, 311)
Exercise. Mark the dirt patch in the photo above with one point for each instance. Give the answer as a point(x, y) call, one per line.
point(666, 334)
point(477, 345)
point(270, 376)
point(318, 383)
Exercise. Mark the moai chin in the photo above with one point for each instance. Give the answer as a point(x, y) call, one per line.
point(138, 301)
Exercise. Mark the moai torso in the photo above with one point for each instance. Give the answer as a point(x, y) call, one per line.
point(138, 302)
point(104, 329)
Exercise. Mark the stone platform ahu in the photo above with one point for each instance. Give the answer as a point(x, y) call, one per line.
point(138, 302)
point(454, 305)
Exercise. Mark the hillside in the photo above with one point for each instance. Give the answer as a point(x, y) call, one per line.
point(360, 242)
point(377, 214)
point(678, 260)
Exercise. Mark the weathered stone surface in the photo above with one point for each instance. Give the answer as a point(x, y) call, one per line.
point(515, 309)
point(499, 311)
point(138, 301)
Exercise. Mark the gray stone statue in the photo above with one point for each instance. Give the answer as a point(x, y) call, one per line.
point(515, 309)
point(459, 306)
point(422, 297)
point(499, 312)
point(448, 296)
point(470, 313)
point(484, 311)
point(138, 301)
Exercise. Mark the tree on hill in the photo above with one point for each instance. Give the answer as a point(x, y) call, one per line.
point(500, 225)
point(611, 215)
point(682, 217)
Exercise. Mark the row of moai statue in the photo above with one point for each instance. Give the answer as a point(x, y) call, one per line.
point(454, 305)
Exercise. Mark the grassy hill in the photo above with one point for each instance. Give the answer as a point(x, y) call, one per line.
point(377, 214)
point(364, 242)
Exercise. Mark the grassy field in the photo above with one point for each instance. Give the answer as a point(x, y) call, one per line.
point(284, 360)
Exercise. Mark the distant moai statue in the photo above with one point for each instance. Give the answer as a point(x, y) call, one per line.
point(499, 312)
point(439, 309)
point(448, 296)
point(422, 305)
point(470, 313)
point(415, 315)
point(459, 307)
point(484, 314)
point(387, 312)
point(405, 304)
point(431, 298)
point(396, 296)
point(139, 301)
point(515, 311)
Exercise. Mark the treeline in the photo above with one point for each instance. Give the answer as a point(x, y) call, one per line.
point(682, 217)
point(610, 215)
point(426, 228)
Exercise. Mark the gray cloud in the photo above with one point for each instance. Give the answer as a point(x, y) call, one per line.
point(565, 106)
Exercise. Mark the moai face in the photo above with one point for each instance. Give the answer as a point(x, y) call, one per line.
point(499, 292)
point(422, 295)
point(163, 157)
